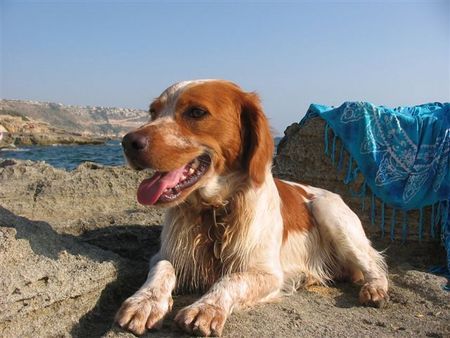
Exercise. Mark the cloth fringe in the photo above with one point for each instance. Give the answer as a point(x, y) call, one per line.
point(439, 219)
point(439, 211)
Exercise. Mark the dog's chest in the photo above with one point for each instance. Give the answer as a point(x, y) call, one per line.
point(196, 249)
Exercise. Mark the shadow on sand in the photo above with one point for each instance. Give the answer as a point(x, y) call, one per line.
point(128, 247)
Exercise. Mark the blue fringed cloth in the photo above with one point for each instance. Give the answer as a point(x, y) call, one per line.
point(403, 154)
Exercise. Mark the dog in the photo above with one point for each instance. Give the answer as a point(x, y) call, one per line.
point(232, 230)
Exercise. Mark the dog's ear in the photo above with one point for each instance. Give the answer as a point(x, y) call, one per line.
point(257, 140)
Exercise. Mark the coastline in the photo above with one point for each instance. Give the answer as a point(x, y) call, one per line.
point(19, 131)
point(68, 156)
point(11, 141)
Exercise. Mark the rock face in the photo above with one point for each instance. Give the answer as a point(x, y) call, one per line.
point(74, 245)
point(69, 246)
point(99, 121)
point(46, 276)
point(22, 131)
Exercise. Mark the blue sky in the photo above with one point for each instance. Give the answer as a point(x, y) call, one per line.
point(124, 53)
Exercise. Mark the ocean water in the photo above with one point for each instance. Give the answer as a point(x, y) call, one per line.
point(71, 156)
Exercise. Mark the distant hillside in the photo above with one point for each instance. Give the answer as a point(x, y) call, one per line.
point(99, 121)
point(19, 130)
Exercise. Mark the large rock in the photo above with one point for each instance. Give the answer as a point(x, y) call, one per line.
point(69, 200)
point(47, 281)
point(53, 283)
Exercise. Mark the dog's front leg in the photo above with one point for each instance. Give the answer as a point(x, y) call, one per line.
point(147, 308)
point(207, 316)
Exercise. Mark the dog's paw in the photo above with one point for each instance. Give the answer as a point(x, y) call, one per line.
point(202, 319)
point(142, 312)
point(373, 295)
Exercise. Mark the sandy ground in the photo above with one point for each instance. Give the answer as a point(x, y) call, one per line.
point(74, 245)
point(418, 307)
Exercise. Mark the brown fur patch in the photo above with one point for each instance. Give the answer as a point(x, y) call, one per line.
point(235, 128)
point(295, 212)
point(258, 142)
point(155, 108)
point(220, 129)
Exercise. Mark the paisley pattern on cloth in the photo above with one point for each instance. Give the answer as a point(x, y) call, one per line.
point(403, 153)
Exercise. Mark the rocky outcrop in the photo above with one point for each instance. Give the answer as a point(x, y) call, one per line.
point(47, 281)
point(23, 131)
point(66, 239)
point(66, 199)
point(74, 245)
point(87, 120)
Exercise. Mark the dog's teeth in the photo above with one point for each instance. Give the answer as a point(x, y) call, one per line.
point(191, 171)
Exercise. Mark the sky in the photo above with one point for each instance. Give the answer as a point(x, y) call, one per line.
point(292, 53)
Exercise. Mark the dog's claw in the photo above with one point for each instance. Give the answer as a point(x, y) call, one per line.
point(140, 313)
point(372, 295)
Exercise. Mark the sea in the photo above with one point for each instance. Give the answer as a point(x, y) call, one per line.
point(71, 156)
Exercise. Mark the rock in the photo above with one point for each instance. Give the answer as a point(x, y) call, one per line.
point(51, 281)
point(47, 277)
point(66, 199)
point(22, 131)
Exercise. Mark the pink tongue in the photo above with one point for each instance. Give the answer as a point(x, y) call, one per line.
point(151, 189)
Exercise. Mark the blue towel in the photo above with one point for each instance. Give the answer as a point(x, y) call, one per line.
point(403, 153)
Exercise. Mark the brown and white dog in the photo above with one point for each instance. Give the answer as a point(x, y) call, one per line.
point(232, 230)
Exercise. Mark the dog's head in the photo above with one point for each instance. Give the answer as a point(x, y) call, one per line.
point(200, 133)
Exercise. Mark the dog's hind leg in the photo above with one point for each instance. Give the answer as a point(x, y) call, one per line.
point(341, 228)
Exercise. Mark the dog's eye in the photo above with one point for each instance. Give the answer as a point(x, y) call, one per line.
point(196, 113)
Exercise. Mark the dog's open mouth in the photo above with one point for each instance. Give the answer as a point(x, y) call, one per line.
point(168, 186)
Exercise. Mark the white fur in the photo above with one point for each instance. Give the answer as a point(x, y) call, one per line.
point(243, 257)
point(170, 95)
point(338, 242)
point(150, 304)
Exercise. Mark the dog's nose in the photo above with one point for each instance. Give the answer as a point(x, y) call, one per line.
point(134, 142)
